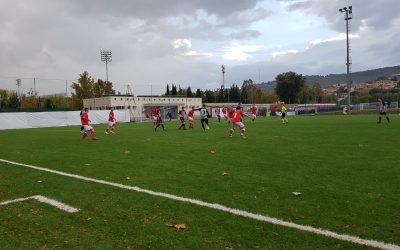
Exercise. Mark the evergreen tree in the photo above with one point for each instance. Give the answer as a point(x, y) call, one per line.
point(167, 92)
point(174, 92)
point(189, 92)
point(199, 93)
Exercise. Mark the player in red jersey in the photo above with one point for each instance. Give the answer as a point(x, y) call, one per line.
point(154, 115)
point(111, 122)
point(191, 118)
point(236, 120)
point(86, 125)
point(231, 113)
point(224, 113)
point(253, 113)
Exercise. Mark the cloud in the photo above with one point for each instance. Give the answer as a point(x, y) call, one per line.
point(283, 53)
point(185, 42)
point(240, 52)
point(375, 14)
point(61, 39)
point(244, 35)
point(182, 43)
point(340, 37)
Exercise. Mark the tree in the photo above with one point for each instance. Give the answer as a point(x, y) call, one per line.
point(30, 100)
point(174, 92)
point(86, 87)
point(289, 85)
point(48, 103)
point(316, 93)
point(3, 98)
point(234, 93)
point(189, 92)
point(246, 90)
point(101, 88)
point(83, 88)
point(304, 94)
point(382, 78)
point(199, 93)
point(208, 96)
point(14, 101)
point(167, 91)
point(180, 91)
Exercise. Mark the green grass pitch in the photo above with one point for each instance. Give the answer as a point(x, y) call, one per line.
point(346, 167)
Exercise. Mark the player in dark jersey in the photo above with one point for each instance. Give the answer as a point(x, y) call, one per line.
point(159, 121)
point(182, 117)
point(204, 115)
point(382, 111)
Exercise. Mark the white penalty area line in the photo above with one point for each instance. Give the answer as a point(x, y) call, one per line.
point(46, 200)
point(275, 221)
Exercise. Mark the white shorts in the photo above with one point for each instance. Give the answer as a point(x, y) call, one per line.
point(87, 128)
point(238, 125)
point(190, 119)
point(253, 116)
point(111, 124)
point(155, 118)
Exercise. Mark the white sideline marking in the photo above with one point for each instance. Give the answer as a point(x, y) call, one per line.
point(46, 200)
point(327, 233)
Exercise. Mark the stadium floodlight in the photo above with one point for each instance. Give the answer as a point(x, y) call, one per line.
point(106, 57)
point(223, 75)
point(348, 16)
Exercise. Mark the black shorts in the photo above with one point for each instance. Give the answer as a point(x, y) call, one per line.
point(283, 115)
point(182, 120)
point(204, 120)
point(382, 113)
point(159, 120)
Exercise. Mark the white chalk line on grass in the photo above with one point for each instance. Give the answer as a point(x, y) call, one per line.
point(46, 200)
point(327, 233)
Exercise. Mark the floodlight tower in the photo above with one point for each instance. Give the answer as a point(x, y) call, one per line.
point(223, 75)
point(18, 85)
point(348, 13)
point(106, 57)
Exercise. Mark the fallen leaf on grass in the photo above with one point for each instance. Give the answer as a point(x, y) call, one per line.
point(87, 164)
point(34, 211)
point(39, 181)
point(128, 178)
point(88, 218)
point(127, 152)
point(225, 174)
point(296, 193)
point(177, 226)
point(212, 151)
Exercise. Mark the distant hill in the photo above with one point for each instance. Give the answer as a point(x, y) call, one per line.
point(332, 79)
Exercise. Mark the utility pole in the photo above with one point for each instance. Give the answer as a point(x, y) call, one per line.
point(348, 16)
point(18, 85)
point(223, 82)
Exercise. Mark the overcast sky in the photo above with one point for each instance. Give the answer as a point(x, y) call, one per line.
point(155, 42)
